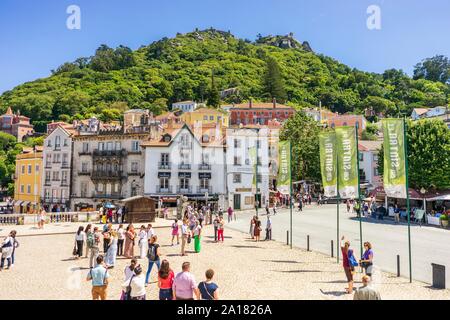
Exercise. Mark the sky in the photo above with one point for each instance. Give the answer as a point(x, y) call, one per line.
point(35, 39)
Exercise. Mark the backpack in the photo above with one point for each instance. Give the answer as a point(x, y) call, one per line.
point(151, 253)
point(90, 240)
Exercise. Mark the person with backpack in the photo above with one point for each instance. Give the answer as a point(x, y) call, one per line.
point(87, 231)
point(135, 287)
point(99, 277)
point(153, 257)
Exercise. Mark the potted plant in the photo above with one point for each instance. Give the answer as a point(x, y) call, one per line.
point(444, 220)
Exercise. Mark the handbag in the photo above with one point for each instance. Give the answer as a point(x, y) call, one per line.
point(75, 251)
point(127, 295)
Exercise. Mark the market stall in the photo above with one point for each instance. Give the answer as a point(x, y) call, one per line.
point(140, 209)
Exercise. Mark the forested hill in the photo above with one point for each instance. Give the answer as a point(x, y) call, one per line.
point(180, 68)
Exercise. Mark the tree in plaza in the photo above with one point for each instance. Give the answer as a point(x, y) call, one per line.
point(428, 154)
point(303, 132)
point(436, 68)
point(213, 97)
point(273, 82)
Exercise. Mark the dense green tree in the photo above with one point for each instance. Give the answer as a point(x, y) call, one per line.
point(370, 132)
point(303, 132)
point(436, 68)
point(273, 82)
point(7, 141)
point(213, 97)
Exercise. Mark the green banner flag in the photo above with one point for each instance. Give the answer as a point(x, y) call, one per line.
point(328, 168)
point(347, 154)
point(394, 176)
point(253, 160)
point(284, 167)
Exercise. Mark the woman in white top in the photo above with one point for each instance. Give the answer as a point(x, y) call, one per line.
point(120, 240)
point(129, 272)
point(143, 242)
point(136, 285)
point(7, 250)
point(80, 239)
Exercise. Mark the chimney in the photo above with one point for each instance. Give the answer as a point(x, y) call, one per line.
point(250, 103)
point(274, 101)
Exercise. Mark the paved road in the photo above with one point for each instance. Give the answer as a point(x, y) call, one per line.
point(429, 244)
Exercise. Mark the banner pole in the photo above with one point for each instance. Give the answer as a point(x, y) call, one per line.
point(359, 191)
point(405, 140)
point(337, 209)
point(290, 187)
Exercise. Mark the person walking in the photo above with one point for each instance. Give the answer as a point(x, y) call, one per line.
point(15, 246)
point(153, 257)
point(143, 242)
point(41, 218)
point(80, 239)
point(94, 244)
point(120, 240)
point(346, 253)
point(88, 232)
point(216, 227)
point(197, 232)
point(397, 214)
point(201, 217)
point(268, 229)
point(150, 232)
point(184, 236)
point(207, 288)
point(348, 205)
point(119, 215)
point(99, 277)
point(366, 292)
point(367, 259)
point(111, 254)
point(175, 231)
point(135, 287)
point(257, 229)
point(300, 203)
point(267, 209)
point(129, 272)
point(252, 227)
point(184, 286)
point(130, 235)
point(6, 252)
point(230, 214)
point(274, 208)
point(220, 229)
point(106, 237)
point(165, 281)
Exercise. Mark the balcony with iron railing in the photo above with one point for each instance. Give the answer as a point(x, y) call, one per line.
point(164, 165)
point(47, 183)
point(85, 153)
point(184, 189)
point(204, 166)
point(107, 174)
point(161, 189)
point(64, 183)
point(54, 200)
point(84, 173)
point(204, 189)
point(110, 153)
point(113, 196)
point(65, 165)
point(184, 166)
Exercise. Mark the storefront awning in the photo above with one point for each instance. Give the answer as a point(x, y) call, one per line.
point(25, 203)
point(18, 202)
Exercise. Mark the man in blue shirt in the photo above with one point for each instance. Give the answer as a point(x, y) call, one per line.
point(99, 277)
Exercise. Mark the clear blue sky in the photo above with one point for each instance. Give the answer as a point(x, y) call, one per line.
point(34, 38)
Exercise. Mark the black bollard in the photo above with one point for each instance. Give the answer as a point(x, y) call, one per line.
point(307, 243)
point(332, 249)
point(287, 237)
point(398, 265)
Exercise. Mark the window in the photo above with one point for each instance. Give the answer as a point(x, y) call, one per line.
point(237, 161)
point(86, 146)
point(258, 144)
point(164, 159)
point(66, 143)
point(37, 168)
point(64, 176)
point(205, 118)
point(236, 178)
point(134, 167)
point(109, 146)
point(48, 159)
point(361, 156)
point(47, 176)
point(22, 188)
point(258, 161)
point(164, 183)
point(83, 189)
point(211, 118)
point(118, 146)
point(23, 169)
point(47, 193)
point(65, 158)
point(49, 143)
point(184, 183)
point(375, 157)
point(30, 169)
point(100, 187)
point(204, 183)
point(376, 172)
point(101, 146)
point(29, 189)
point(135, 146)
point(237, 143)
point(55, 175)
point(205, 158)
point(57, 142)
point(84, 167)
point(219, 118)
point(259, 178)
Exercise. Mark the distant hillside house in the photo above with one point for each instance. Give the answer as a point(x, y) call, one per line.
point(422, 113)
point(259, 113)
point(319, 115)
point(185, 106)
point(348, 120)
point(16, 125)
point(368, 163)
point(205, 116)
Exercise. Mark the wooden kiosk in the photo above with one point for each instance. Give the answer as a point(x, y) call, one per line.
point(140, 209)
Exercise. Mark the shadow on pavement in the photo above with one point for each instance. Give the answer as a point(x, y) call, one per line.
point(250, 247)
point(282, 261)
point(334, 293)
point(298, 271)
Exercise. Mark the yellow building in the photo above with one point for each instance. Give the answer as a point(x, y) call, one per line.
point(206, 116)
point(27, 186)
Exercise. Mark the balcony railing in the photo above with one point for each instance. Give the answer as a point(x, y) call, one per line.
point(106, 196)
point(107, 174)
point(184, 166)
point(204, 166)
point(55, 200)
point(134, 173)
point(47, 183)
point(65, 165)
point(160, 189)
point(64, 183)
point(201, 189)
point(110, 153)
point(184, 189)
point(164, 165)
point(84, 153)
point(84, 173)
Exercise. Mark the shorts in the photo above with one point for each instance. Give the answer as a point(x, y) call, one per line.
point(348, 273)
